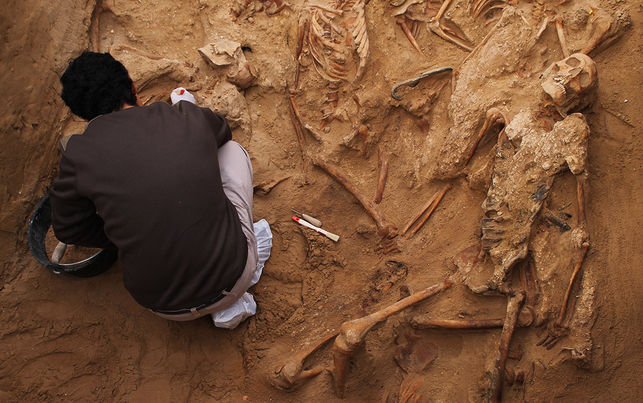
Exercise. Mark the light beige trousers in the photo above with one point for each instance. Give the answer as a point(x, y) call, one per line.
point(236, 175)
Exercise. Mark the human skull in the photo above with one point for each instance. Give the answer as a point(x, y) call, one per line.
point(567, 81)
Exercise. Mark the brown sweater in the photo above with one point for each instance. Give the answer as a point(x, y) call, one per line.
point(146, 179)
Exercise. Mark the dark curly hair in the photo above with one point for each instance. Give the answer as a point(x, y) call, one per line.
point(95, 84)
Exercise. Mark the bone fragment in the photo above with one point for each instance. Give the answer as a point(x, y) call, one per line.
point(401, 21)
point(385, 227)
point(492, 117)
point(352, 333)
point(266, 186)
point(433, 207)
point(383, 174)
point(561, 36)
point(295, 111)
point(497, 375)
point(297, 124)
point(289, 375)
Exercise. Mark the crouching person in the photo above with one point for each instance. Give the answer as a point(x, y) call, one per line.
point(167, 186)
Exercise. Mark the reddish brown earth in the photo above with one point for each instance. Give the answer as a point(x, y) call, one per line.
point(68, 338)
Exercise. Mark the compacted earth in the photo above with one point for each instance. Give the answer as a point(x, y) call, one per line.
point(85, 339)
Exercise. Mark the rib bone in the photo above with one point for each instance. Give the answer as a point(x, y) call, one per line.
point(352, 333)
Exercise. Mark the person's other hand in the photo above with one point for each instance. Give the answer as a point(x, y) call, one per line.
point(181, 94)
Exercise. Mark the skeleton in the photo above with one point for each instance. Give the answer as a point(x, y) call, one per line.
point(531, 150)
point(332, 34)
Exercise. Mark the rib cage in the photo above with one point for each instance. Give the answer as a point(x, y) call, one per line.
point(336, 31)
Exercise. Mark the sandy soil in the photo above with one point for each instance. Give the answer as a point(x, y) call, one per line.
point(77, 339)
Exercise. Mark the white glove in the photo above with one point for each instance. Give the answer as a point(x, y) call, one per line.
point(181, 94)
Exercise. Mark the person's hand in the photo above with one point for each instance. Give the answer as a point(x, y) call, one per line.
point(181, 94)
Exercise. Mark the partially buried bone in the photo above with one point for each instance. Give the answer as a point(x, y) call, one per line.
point(496, 374)
point(431, 205)
point(352, 333)
point(567, 82)
point(427, 322)
point(228, 56)
point(266, 186)
point(382, 176)
point(290, 374)
point(384, 226)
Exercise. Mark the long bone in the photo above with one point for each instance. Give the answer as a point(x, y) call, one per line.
point(385, 227)
point(514, 305)
point(493, 116)
point(290, 374)
point(401, 21)
point(352, 333)
point(382, 175)
point(426, 322)
point(437, 197)
point(559, 328)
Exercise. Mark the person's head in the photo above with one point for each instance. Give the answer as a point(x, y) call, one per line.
point(95, 84)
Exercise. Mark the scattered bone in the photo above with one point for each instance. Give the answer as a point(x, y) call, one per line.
point(94, 26)
point(290, 374)
point(298, 122)
point(228, 56)
point(426, 322)
point(435, 200)
point(408, 389)
point(560, 30)
point(493, 117)
point(352, 333)
point(610, 31)
point(298, 129)
point(383, 174)
point(387, 246)
point(360, 134)
point(450, 34)
point(385, 227)
point(514, 305)
point(266, 186)
point(145, 71)
point(401, 21)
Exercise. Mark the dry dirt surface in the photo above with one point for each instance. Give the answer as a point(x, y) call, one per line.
point(73, 339)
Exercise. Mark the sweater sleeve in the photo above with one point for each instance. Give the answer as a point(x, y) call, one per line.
point(218, 124)
point(74, 217)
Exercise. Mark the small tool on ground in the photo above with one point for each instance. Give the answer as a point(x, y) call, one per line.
point(305, 223)
point(308, 218)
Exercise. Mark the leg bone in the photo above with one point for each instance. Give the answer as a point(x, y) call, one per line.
point(383, 175)
point(497, 375)
point(289, 374)
point(384, 226)
point(436, 200)
point(352, 333)
point(493, 116)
